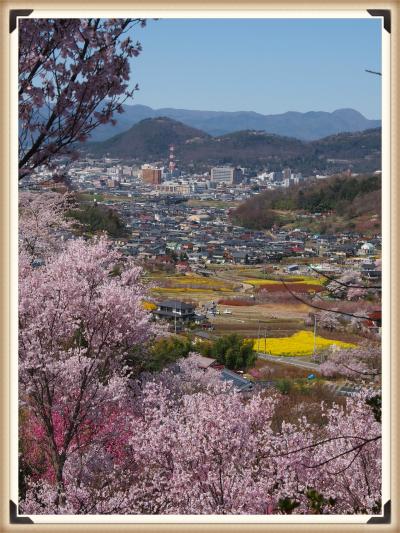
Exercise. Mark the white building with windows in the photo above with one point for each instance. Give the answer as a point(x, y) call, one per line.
point(228, 175)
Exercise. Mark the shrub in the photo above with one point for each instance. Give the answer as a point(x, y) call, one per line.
point(97, 219)
point(233, 351)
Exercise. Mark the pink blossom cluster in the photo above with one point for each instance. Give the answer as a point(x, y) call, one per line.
point(362, 363)
point(172, 451)
point(349, 285)
point(41, 224)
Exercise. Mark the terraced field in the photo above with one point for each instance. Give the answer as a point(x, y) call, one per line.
point(225, 285)
point(192, 287)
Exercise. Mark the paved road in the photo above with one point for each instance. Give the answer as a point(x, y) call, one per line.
point(205, 334)
point(289, 361)
point(341, 390)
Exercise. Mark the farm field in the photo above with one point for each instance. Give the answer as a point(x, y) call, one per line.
point(269, 319)
point(239, 310)
point(102, 197)
point(198, 297)
point(303, 280)
point(255, 275)
point(193, 288)
point(149, 306)
point(299, 344)
point(194, 281)
point(272, 319)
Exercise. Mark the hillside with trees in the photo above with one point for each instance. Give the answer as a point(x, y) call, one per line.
point(347, 197)
point(148, 140)
point(96, 219)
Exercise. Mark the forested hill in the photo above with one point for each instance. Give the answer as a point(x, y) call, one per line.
point(347, 197)
point(149, 140)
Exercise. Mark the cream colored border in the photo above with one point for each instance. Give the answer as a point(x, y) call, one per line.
point(251, 10)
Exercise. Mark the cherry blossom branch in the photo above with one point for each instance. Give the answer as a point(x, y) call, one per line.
point(71, 66)
point(358, 447)
point(348, 286)
point(319, 307)
point(324, 442)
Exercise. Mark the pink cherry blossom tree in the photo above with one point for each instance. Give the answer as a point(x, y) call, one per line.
point(73, 76)
point(348, 279)
point(362, 363)
point(41, 223)
point(79, 317)
point(328, 320)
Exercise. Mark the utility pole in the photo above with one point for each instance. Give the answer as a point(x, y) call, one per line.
point(315, 333)
point(175, 318)
point(258, 336)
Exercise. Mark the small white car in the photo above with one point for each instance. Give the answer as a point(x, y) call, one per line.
point(227, 312)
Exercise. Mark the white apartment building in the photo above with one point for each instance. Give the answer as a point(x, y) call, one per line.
point(228, 175)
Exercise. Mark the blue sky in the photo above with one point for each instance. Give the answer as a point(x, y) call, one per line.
point(264, 65)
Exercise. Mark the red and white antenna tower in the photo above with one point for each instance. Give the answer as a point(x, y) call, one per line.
point(172, 163)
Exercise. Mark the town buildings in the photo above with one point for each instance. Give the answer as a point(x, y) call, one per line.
point(186, 219)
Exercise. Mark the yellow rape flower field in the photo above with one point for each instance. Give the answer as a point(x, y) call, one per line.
point(299, 344)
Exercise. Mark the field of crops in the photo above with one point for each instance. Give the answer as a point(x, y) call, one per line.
point(192, 281)
point(299, 344)
point(183, 290)
point(304, 280)
point(238, 302)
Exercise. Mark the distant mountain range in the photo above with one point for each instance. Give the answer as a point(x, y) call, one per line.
point(149, 140)
point(305, 126)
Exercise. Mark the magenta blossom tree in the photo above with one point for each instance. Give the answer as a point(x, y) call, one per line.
point(73, 76)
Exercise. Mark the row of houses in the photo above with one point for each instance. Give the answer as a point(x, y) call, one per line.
point(169, 232)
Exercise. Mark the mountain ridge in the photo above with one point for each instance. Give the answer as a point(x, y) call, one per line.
point(310, 125)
